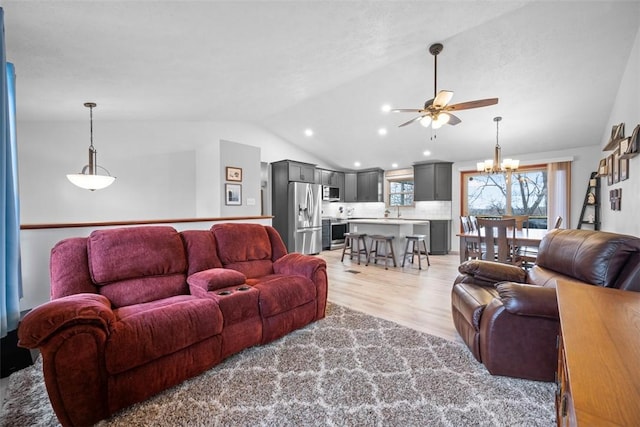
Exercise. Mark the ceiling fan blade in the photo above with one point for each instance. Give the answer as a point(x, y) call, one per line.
point(442, 98)
point(472, 104)
point(411, 121)
point(406, 110)
point(453, 120)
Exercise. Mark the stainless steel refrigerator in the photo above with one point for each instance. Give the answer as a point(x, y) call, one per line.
point(305, 203)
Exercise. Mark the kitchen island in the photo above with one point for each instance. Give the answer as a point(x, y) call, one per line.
point(399, 228)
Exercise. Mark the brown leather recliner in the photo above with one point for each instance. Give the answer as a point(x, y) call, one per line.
point(508, 317)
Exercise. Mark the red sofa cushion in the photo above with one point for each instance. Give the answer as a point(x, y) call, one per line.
point(201, 250)
point(137, 264)
point(145, 332)
point(244, 247)
point(279, 293)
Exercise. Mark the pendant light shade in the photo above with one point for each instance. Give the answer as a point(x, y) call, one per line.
point(90, 178)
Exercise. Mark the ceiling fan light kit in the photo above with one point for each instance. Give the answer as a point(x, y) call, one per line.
point(436, 110)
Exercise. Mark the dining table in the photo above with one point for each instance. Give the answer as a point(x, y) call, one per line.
point(524, 237)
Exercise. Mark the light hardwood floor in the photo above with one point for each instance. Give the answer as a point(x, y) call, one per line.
point(418, 299)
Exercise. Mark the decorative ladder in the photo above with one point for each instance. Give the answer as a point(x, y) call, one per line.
point(591, 205)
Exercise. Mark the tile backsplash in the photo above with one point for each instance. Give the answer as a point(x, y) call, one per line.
point(421, 210)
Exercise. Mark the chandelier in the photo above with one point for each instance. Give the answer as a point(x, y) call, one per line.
point(497, 165)
point(89, 178)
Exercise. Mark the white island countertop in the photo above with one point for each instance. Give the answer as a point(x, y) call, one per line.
point(389, 221)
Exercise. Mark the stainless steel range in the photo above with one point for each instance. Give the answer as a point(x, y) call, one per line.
point(338, 229)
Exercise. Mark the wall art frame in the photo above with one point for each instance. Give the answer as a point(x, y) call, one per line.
point(233, 194)
point(234, 173)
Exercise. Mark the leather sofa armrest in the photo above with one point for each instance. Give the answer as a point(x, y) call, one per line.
point(47, 319)
point(529, 300)
point(299, 265)
point(488, 273)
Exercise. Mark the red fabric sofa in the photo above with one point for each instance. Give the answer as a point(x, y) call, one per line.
point(136, 310)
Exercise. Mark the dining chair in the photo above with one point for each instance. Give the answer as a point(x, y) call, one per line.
point(558, 222)
point(473, 222)
point(472, 249)
point(529, 254)
point(522, 221)
point(466, 225)
point(494, 236)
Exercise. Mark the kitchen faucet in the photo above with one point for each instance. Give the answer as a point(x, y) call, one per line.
point(398, 206)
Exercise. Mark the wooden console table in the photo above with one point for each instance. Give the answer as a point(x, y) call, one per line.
point(599, 352)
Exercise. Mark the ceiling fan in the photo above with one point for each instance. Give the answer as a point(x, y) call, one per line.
point(436, 111)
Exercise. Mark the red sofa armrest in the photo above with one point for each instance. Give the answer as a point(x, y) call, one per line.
point(214, 278)
point(297, 264)
point(488, 273)
point(45, 320)
point(529, 300)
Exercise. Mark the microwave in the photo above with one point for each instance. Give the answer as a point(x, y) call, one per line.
point(330, 194)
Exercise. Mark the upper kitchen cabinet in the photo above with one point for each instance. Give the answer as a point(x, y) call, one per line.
point(432, 181)
point(350, 187)
point(298, 171)
point(369, 187)
point(332, 178)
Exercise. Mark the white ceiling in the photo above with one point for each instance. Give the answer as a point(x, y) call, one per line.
point(330, 66)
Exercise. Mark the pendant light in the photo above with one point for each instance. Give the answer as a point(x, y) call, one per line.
point(89, 178)
point(497, 165)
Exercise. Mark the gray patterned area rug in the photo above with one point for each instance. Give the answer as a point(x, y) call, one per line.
point(349, 369)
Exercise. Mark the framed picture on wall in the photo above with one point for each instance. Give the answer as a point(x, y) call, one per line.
point(624, 169)
point(233, 194)
point(610, 169)
point(234, 174)
point(616, 165)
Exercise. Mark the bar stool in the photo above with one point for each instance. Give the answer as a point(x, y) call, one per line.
point(387, 244)
point(355, 238)
point(415, 240)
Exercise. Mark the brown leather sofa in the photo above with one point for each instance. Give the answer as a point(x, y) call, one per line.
point(508, 317)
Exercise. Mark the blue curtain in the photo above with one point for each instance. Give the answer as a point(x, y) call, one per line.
point(11, 276)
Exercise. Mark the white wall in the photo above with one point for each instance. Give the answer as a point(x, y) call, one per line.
point(626, 109)
point(246, 157)
point(164, 170)
point(154, 185)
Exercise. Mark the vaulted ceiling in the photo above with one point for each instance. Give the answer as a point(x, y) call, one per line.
point(330, 66)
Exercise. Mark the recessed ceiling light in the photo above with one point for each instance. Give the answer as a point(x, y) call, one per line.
point(426, 153)
point(386, 108)
point(308, 132)
point(382, 131)
point(356, 164)
point(394, 165)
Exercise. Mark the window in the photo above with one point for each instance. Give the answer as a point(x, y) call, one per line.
point(525, 193)
point(401, 193)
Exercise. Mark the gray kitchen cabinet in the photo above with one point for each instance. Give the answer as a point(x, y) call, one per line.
point(332, 178)
point(350, 187)
point(432, 181)
point(439, 237)
point(370, 185)
point(301, 172)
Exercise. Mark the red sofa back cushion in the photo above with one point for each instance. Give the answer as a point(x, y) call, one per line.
point(201, 250)
point(137, 264)
point(244, 247)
